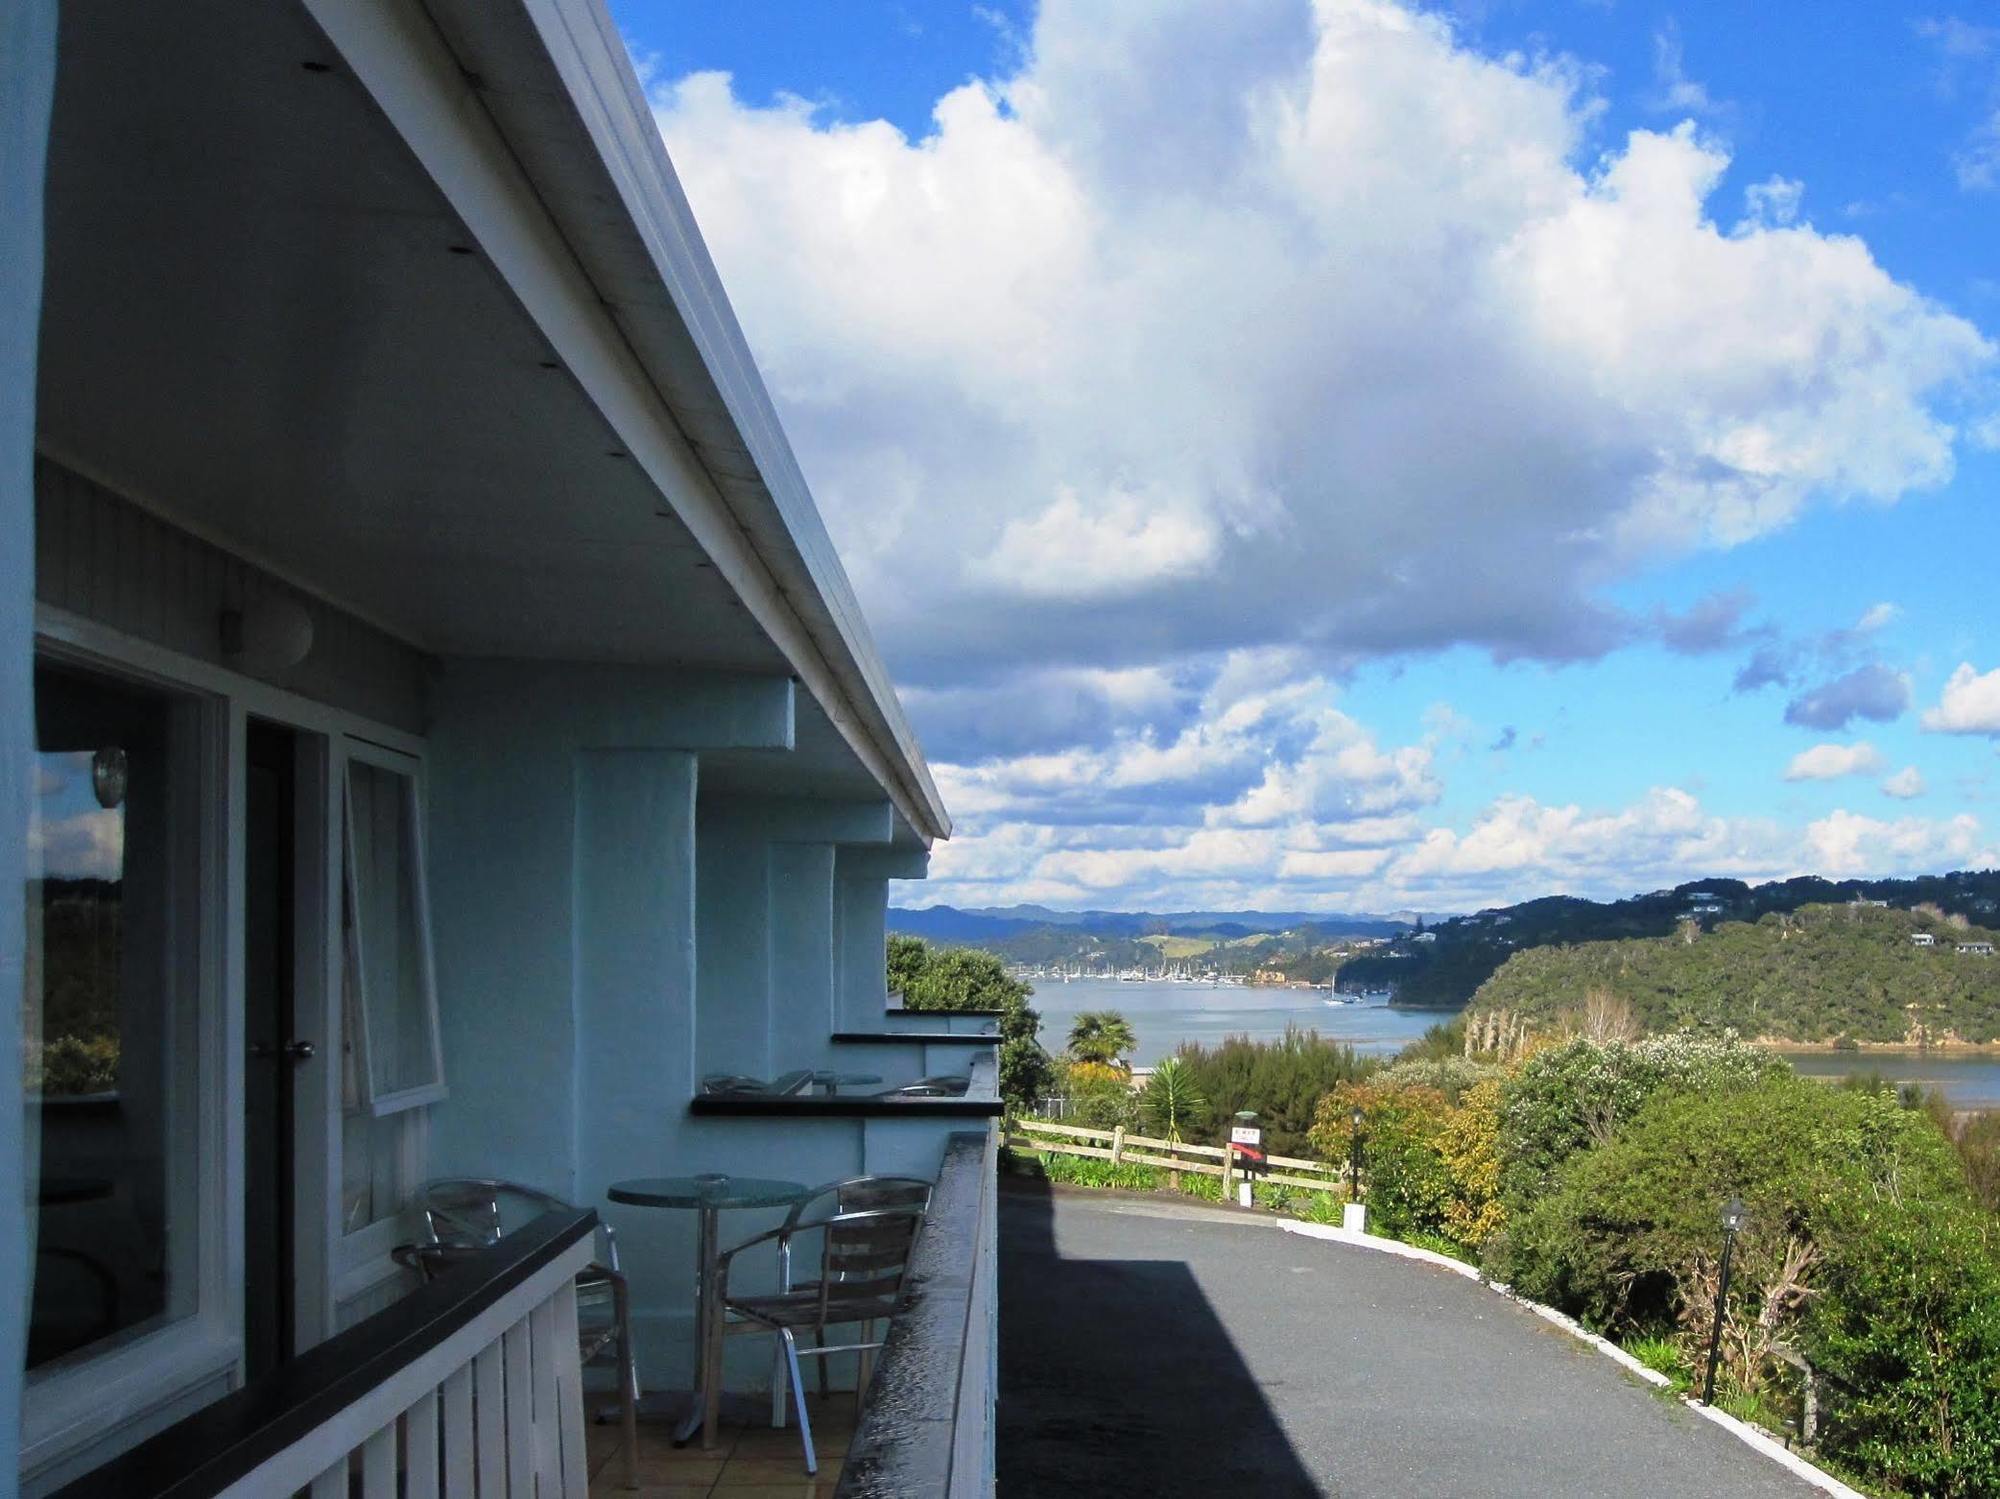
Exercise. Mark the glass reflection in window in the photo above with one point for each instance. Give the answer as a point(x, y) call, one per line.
point(108, 1010)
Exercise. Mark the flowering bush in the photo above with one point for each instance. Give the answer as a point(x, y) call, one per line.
point(1574, 1096)
point(1432, 1167)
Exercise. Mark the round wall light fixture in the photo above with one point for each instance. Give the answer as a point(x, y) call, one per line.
point(269, 634)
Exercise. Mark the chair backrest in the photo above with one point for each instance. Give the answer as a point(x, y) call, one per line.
point(739, 1086)
point(859, 1193)
point(950, 1085)
point(855, 1194)
point(472, 1212)
point(865, 1256)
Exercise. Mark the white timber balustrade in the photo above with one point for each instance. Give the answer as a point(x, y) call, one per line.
point(471, 1388)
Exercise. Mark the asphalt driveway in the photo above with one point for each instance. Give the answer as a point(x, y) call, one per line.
point(1153, 1348)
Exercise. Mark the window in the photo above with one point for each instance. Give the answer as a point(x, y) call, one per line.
point(392, 991)
point(110, 1011)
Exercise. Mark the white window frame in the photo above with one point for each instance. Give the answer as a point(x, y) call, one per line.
point(82, 1415)
point(155, 1377)
point(410, 768)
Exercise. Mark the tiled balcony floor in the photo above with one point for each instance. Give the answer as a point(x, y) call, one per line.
point(749, 1460)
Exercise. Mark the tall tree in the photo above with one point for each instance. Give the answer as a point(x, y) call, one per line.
point(962, 978)
point(1102, 1036)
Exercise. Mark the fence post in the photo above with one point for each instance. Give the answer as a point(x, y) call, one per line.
point(1117, 1144)
point(1228, 1160)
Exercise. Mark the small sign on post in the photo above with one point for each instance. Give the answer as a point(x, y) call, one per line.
point(1246, 1152)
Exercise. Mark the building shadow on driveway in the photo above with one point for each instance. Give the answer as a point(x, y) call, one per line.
point(1117, 1377)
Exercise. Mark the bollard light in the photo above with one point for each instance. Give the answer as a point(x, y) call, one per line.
point(1734, 1216)
point(1354, 1156)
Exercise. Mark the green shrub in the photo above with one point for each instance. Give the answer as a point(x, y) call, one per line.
point(1907, 1325)
point(1323, 1208)
point(1090, 1171)
point(1864, 1250)
point(74, 1065)
point(1281, 1081)
point(963, 978)
point(1978, 1142)
point(1575, 1096)
point(1451, 1076)
point(1432, 1166)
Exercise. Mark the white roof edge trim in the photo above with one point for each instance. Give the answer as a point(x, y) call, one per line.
point(596, 74)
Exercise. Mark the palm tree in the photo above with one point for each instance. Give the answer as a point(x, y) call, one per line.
point(1170, 1101)
point(1101, 1036)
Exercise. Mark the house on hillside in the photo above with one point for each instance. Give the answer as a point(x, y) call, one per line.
point(452, 740)
point(1977, 949)
point(1424, 937)
point(1923, 939)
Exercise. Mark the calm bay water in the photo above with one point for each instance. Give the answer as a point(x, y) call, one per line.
point(1164, 1015)
point(1968, 1082)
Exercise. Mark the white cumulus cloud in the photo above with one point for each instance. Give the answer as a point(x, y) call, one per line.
point(1828, 762)
point(1218, 325)
point(1904, 784)
point(1970, 703)
point(84, 845)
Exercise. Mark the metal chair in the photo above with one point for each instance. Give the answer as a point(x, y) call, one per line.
point(733, 1085)
point(464, 1215)
point(949, 1085)
point(864, 1265)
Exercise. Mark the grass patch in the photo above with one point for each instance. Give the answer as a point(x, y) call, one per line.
point(1663, 1356)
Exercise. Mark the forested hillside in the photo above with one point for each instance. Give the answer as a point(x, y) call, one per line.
point(1820, 973)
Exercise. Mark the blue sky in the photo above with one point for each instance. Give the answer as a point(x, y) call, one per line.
point(1239, 417)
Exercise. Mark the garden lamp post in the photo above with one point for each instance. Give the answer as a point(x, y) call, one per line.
point(1733, 1219)
point(1354, 1157)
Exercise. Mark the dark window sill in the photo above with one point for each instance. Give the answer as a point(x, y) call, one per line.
point(981, 1014)
point(838, 1107)
point(914, 1038)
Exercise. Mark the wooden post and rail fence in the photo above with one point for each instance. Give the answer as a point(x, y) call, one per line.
point(1121, 1147)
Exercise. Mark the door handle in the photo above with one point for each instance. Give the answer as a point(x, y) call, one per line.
point(291, 1051)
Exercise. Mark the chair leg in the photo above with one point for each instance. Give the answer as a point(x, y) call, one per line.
point(864, 1367)
point(628, 1383)
point(799, 1396)
point(778, 1392)
point(819, 1341)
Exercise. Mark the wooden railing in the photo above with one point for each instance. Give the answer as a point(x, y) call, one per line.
point(1121, 1147)
point(469, 1388)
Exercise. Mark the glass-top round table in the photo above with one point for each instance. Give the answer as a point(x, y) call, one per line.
point(833, 1082)
point(708, 1190)
point(707, 1193)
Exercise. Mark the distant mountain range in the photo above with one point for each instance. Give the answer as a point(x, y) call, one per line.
point(1438, 964)
point(992, 923)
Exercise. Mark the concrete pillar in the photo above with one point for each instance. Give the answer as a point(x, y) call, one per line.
point(635, 980)
point(27, 84)
point(803, 939)
point(767, 923)
point(864, 948)
point(733, 949)
point(559, 931)
point(863, 898)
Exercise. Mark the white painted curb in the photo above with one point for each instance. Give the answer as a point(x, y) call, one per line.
point(1743, 1431)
